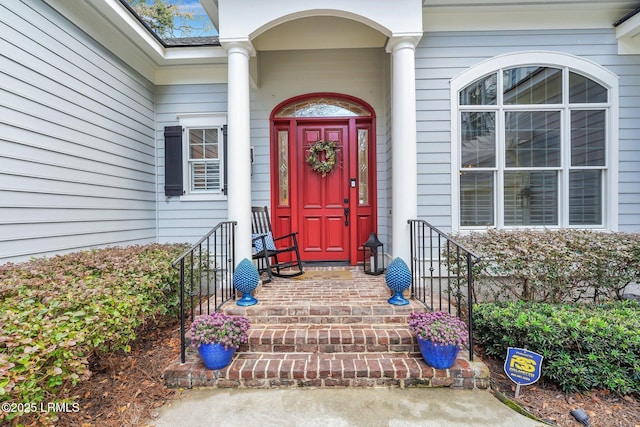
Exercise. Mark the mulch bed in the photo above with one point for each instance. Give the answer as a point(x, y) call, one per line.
point(546, 402)
point(127, 389)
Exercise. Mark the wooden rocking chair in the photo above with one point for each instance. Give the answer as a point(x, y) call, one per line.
point(270, 251)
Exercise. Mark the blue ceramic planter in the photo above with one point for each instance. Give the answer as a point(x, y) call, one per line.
point(215, 356)
point(436, 355)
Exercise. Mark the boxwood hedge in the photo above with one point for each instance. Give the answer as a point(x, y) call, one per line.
point(584, 346)
point(554, 266)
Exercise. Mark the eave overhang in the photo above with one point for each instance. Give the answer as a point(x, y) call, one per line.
point(113, 26)
point(628, 33)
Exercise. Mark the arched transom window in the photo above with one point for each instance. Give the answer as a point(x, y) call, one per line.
point(533, 149)
point(323, 106)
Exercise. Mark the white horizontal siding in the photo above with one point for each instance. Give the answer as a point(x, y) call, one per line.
point(77, 165)
point(442, 56)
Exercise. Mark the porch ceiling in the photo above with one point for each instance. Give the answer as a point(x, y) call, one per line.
point(319, 32)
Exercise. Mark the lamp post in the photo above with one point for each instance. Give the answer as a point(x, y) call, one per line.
point(373, 255)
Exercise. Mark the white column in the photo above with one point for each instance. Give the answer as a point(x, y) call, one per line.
point(404, 199)
point(238, 145)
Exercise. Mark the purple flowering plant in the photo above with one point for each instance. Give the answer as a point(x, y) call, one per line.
point(439, 327)
point(230, 331)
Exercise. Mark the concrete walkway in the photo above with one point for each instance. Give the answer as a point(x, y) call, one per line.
point(338, 407)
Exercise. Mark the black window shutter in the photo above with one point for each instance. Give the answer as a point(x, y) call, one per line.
point(173, 178)
point(224, 158)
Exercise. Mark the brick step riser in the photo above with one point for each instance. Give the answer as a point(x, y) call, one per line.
point(339, 370)
point(455, 383)
point(330, 339)
point(329, 320)
point(319, 312)
point(329, 348)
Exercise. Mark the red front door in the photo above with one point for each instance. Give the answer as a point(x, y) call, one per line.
point(333, 214)
point(323, 201)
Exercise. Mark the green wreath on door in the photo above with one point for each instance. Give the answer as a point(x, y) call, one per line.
point(325, 166)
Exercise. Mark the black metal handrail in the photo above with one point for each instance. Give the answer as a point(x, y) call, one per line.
point(206, 276)
point(440, 267)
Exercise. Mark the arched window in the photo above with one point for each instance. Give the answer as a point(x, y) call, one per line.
point(533, 149)
point(323, 106)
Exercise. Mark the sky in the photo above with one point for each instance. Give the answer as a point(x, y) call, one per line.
point(201, 24)
point(201, 21)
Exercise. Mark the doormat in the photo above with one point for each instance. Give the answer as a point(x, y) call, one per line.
point(325, 275)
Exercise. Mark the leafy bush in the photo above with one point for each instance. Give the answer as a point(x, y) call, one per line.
point(553, 265)
point(55, 313)
point(584, 346)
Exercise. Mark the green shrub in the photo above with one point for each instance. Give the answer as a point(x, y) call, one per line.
point(55, 313)
point(553, 265)
point(584, 346)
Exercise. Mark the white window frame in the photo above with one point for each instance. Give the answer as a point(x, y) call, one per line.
point(542, 59)
point(201, 121)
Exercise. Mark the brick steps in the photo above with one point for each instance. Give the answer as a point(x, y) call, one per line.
point(273, 370)
point(327, 333)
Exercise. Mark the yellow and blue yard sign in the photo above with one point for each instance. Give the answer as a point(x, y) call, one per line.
point(523, 366)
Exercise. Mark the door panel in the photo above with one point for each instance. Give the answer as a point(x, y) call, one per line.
point(324, 233)
point(310, 234)
point(335, 230)
point(364, 228)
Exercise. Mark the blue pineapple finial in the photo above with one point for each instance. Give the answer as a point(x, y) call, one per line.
point(245, 280)
point(398, 278)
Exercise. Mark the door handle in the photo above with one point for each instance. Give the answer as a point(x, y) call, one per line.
point(346, 216)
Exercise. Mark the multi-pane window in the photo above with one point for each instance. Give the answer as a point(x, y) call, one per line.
point(533, 149)
point(204, 159)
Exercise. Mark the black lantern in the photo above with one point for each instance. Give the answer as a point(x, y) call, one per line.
point(373, 255)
